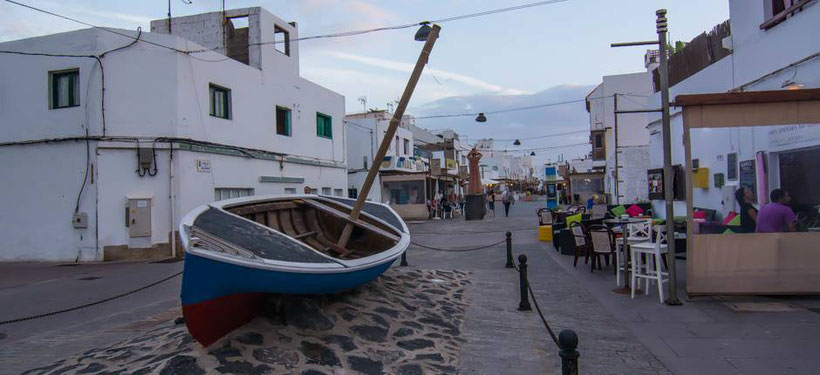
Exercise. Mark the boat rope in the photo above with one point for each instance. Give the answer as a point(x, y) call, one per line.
point(455, 250)
point(32, 317)
point(477, 232)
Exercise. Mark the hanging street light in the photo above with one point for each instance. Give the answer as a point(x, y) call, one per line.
point(517, 143)
point(481, 118)
point(424, 30)
point(532, 153)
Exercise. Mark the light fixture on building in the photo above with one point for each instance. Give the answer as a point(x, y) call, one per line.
point(481, 118)
point(517, 143)
point(791, 85)
point(532, 153)
point(423, 32)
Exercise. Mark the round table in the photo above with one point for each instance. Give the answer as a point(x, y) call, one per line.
point(624, 224)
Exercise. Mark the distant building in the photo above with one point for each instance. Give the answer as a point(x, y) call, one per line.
point(402, 172)
point(95, 177)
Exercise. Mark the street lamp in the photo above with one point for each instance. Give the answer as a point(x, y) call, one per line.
point(532, 153)
point(423, 32)
point(517, 143)
point(481, 118)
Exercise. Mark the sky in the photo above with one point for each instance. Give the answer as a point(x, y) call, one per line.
point(539, 55)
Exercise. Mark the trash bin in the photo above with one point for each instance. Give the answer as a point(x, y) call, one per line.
point(545, 233)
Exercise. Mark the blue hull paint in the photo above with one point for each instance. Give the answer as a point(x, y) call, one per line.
point(206, 279)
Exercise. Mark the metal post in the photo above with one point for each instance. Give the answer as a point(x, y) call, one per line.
point(509, 250)
point(568, 342)
point(524, 305)
point(667, 157)
point(404, 259)
point(388, 136)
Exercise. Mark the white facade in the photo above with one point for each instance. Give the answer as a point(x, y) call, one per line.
point(155, 98)
point(761, 60)
point(364, 134)
point(622, 140)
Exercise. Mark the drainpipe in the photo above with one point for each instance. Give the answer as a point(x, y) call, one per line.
point(617, 172)
point(173, 238)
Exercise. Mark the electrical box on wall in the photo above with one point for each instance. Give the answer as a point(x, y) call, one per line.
point(138, 217)
point(79, 220)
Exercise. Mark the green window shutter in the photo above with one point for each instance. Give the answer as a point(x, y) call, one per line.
point(319, 127)
point(324, 125)
point(287, 123)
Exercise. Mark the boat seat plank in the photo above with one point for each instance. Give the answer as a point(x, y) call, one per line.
point(305, 234)
point(376, 210)
point(345, 216)
point(257, 239)
point(262, 207)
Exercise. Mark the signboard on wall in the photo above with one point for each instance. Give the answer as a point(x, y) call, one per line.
point(435, 166)
point(462, 172)
point(731, 166)
point(451, 164)
point(747, 175)
point(203, 165)
point(655, 179)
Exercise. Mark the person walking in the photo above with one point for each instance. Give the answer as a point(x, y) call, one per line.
point(491, 201)
point(507, 199)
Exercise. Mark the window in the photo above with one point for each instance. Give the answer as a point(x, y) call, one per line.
point(397, 146)
point(325, 191)
point(352, 193)
point(338, 192)
point(324, 125)
point(64, 88)
point(228, 193)
point(220, 99)
point(281, 40)
point(406, 147)
point(290, 190)
point(598, 146)
point(777, 11)
point(282, 121)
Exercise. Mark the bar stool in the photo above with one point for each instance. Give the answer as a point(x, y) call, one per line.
point(649, 267)
point(635, 234)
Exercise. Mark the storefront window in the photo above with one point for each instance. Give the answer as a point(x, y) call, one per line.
point(405, 192)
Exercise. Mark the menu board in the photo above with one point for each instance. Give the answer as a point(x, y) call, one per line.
point(747, 175)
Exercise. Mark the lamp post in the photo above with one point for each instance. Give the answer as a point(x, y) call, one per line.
point(429, 35)
point(663, 70)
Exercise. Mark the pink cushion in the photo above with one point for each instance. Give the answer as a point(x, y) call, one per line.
point(635, 210)
point(699, 215)
point(729, 217)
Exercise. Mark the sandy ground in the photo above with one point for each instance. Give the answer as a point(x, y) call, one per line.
point(406, 322)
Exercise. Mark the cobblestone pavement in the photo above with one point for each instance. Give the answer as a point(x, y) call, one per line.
point(501, 339)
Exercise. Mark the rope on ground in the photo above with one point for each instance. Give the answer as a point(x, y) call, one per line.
point(478, 232)
point(90, 303)
point(456, 250)
point(538, 308)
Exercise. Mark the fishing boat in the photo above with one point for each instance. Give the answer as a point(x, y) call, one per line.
point(238, 250)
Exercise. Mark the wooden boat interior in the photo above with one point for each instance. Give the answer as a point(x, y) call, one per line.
point(319, 223)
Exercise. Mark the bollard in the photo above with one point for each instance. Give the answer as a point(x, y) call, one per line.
point(509, 250)
point(568, 342)
point(403, 259)
point(524, 305)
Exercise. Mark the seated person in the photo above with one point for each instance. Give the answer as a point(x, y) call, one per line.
point(776, 216)
point(748, 214)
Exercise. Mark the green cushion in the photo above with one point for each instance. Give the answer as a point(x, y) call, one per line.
point(618, 210)
point(734, 222)
point(573, 219)
point(728, 231)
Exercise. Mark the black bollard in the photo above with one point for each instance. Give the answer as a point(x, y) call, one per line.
point(509, 250)
point(524, 305)
point(568, 342)
point(404, 259)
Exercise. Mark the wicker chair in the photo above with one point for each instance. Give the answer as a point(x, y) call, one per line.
point(603, 244)
point(582, 245)
point(544, 216)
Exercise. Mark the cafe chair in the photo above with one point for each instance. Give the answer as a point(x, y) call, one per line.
point(603, 244)
point(544, 216)
point(579, 234)
point(646, 262)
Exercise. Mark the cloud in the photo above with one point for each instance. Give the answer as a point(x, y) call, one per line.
point(437, 74)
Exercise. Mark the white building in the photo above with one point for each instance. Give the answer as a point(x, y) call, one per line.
point(620, 142)
point(765, 50)
point(501, 166)
point(97, 177)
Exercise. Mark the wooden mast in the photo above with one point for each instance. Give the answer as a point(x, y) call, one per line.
point(388, 137)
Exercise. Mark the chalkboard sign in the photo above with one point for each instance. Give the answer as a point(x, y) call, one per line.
point(747, 175)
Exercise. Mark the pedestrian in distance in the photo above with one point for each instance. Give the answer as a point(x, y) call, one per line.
point(491, 202)
point(507, 199)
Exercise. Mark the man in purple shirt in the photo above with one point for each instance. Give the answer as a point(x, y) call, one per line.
point(776, 216)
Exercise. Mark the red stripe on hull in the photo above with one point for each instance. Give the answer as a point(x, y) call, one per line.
point(208, 321)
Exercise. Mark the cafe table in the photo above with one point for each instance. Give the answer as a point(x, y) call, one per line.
point(623, 223)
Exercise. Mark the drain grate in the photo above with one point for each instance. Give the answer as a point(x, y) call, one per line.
point(90, 278)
